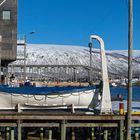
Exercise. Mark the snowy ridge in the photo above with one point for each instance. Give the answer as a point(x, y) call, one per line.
point(77, 55)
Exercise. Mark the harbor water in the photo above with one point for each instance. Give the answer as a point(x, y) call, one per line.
point(124, 91)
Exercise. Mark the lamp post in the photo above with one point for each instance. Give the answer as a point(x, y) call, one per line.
point(25, 46)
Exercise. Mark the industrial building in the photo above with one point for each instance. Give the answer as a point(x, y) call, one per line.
point(8, 31)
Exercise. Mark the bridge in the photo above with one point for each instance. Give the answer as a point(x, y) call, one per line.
point(53, 72)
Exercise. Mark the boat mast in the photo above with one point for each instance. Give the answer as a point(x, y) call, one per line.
point(106, 106)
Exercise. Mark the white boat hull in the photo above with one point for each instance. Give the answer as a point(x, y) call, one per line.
point(84, 99)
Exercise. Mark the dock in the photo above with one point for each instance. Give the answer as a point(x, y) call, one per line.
point(66, 124)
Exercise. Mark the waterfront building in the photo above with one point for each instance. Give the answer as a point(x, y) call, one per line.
point(8, 31)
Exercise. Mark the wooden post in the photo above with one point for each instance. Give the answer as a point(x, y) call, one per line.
point(19, 130)
point(72, 133)
point(63, 130)
point(130, 68)
point(100, 133)
point(12, 134)
point(41, 133)
point(121, 130)
point(136, 133)
point(0, 136)
point(105, 135)
point(109, 135)
point(92, 133)
point(7, 133)
point(50, 134)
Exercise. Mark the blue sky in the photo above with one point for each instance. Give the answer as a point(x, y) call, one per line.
point(71, 22)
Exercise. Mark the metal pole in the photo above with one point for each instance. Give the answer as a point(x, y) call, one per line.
point(130, 41)
point(90, 74)
point(24, 58)
point(0, 55)
point(25, 45)
point(90, 47)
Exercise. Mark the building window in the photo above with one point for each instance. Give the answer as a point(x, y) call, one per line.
point(6, 15)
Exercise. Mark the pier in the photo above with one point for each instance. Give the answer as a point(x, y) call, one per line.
point(66, 125)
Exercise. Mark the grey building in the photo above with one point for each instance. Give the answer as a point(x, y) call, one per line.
point(8, 31)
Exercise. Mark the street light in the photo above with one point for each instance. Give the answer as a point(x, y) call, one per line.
point(25, 46)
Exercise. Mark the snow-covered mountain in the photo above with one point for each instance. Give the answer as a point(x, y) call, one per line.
point(77, 55)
